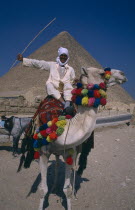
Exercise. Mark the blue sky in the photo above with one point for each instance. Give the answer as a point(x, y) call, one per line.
point(106, 29)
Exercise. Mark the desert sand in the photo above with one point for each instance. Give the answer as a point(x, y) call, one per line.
point(108, 183)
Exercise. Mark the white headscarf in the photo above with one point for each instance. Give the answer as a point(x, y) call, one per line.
point(61, 51)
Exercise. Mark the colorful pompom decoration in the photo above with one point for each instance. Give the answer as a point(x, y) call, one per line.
point(78, 100)
point(54, 120)
point(35, 136)
point(53, 135)
point(94, 94)
point(44, 142)
point(97, 102)
point(48, 139)
point(48, 130)
point(97, 94)
point(102, 85)
point(68, 116)
point(59, 131)
point(107, 75)
point(91, 101)
point(43, 133)
point(48, 133)
point(49, 123)
point(61, 118)
point(36, 155)
point(103, 93)
point(53, 127)
point(103, 101)
point(96, 87)
point(73, 91)
point(79, 85)
point(79, 91)
point(90, 86)
point(91, 93)
point(73, 98)
point(107, 69)
point(85, 101)
point(69, 160)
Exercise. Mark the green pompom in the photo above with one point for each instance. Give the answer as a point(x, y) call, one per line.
point(61, 118)
point(84, 92)
point(59, 131)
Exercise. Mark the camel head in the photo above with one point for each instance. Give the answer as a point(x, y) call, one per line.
point(96, 76)
point(117, 77)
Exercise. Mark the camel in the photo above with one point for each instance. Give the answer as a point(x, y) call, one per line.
point(77, 131)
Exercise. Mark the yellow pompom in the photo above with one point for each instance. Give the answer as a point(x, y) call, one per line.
point(107, 76)
point(61, 123)
point(58, 123)
point(85, 101)
point(49, 123)
point(48, 139)
point(103, 93)
point(36, 149)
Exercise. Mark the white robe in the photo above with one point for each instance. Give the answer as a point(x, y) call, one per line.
point(57, 75)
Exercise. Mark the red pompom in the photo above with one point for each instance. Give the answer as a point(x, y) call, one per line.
point(103, 101)
point(73, 98)
point(102, 85)
point(108, 72)
point(53, 127)
point(53, 135)
point(97, 94)
point(69, 160)
point(68, 116)
point(35, 136)
point(43, 133)
point(79, 91)
point(54, 120)
point(36, 155)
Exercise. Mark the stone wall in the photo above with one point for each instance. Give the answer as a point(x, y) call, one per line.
point(20, 105)
point(17, 105)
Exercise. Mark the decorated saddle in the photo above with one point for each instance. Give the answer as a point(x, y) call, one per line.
point(48, 109)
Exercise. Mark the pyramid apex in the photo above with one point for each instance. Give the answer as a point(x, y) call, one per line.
point(63, 33)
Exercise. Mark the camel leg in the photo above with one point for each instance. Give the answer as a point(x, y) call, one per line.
point(67, 185)
point(43, 188)
point(55, 172)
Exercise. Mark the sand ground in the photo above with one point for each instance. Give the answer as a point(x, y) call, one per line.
point(108, 183)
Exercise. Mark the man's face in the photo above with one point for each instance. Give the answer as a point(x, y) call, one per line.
point(63, 58)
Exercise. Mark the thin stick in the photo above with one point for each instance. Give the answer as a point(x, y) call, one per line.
point(33, 40)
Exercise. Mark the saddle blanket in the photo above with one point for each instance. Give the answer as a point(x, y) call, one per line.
point(48, 109)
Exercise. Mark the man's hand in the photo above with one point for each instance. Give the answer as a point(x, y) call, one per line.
point(20, 57)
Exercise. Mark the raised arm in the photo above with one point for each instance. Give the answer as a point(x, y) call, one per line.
point(34, 63)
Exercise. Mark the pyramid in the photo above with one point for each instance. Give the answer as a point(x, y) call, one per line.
point(28, 81)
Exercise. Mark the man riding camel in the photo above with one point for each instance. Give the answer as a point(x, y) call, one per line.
point(61, 77)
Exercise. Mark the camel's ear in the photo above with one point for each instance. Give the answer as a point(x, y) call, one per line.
point(84, 71)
